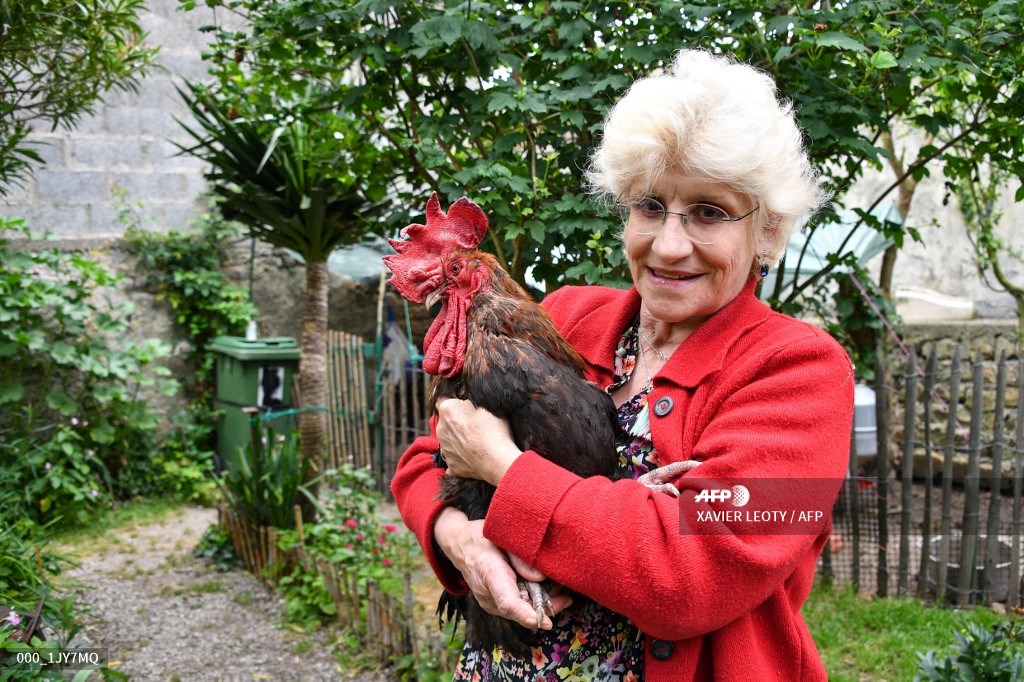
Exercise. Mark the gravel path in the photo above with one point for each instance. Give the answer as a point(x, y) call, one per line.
point(164, 615)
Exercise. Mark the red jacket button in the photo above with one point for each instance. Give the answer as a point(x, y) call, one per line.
point(662, 650)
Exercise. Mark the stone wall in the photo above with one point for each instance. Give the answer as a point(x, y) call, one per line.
point(983, 345)
point(124, 152)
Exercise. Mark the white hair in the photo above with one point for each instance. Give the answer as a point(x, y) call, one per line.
point(714, 118)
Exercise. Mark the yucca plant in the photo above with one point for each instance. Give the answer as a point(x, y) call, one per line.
point(263, 481)
point(296, 181)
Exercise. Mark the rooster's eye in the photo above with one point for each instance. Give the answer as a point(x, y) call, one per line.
point(455, 268)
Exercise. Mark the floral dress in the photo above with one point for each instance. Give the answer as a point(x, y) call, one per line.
point(587, 642)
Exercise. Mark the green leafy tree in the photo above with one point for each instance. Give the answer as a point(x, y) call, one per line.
point(57, 59)
point(503, 101)
point(295, 179)
point(978, 201)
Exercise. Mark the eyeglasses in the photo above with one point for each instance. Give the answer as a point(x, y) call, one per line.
point(703, 223)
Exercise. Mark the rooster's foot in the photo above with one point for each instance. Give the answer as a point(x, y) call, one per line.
point(658, 479)
point(538, 597)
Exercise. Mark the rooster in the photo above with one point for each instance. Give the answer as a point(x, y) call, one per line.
point(493, 345)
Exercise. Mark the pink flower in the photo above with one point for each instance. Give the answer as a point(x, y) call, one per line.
point(90, 453)
point(386, 562)
point(349, 547)
point(74, 421)
point(391, 528)
point(381, 540)
point(12, 619)
point(351, 523)
point(359, 538)
point(95, 494)
point(48, 466)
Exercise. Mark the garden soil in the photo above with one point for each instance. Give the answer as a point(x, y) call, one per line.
point(164, 615)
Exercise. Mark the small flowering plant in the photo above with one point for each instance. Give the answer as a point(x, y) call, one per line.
point(65, 477)
point(12, 619)
point(351, 534)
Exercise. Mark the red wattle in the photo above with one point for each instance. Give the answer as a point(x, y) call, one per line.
point(445, 343)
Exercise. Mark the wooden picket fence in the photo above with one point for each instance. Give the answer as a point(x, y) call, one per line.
point(373, 414)
point(349, 402)
point(899, 529)
point(385, 623)
point(939, 513)
point(256, 546)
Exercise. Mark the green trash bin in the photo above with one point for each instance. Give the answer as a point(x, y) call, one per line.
point(252, 374)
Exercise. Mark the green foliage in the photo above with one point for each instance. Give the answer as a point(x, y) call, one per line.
point(421, 667)
point(72, 419)
point(263, 481)
point(182, 468)
point(350, 535)
point(57, 60)
point(216, 546)
point(56, 476)
point(503, 101)
point(980, 654)
point(26, 565)
point(307, 602)
point(292, 182)
point(27, 570)
point(186, 271)
point(865, 638)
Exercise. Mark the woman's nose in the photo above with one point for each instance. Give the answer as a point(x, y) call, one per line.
point(672, 242)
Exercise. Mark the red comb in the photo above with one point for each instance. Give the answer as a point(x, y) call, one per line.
point(463, 227)
point(420, 252)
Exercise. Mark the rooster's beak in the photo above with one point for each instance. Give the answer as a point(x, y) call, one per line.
point(434, 296)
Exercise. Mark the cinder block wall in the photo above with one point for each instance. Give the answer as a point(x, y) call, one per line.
point(125, 145)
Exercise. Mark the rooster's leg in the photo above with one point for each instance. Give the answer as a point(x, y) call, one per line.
point(538, 597)
point(658, 479)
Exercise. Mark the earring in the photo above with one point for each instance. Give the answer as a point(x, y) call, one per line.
point(764, 270)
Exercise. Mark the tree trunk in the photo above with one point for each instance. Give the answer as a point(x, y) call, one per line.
point(313, 375)
point(905, 197)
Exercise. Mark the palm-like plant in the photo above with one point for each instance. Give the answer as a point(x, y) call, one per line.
point(294, 185)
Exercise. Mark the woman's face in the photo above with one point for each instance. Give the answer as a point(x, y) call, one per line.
point(682, 282)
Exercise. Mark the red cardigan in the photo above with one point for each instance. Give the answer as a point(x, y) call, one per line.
point(753, 394)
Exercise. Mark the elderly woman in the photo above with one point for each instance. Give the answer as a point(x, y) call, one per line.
point(709, 167)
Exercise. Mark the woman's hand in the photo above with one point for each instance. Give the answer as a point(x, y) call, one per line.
point(474, 442)
point(489, 572)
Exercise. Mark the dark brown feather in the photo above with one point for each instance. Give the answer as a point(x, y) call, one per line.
point(519, 367)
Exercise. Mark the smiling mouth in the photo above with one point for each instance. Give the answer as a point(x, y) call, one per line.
point(674, 276)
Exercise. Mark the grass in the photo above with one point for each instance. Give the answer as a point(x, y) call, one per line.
point(136, 513)
point(861, 638)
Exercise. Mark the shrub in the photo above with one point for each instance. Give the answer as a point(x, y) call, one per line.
point(263, 481)
point(185, 271)
point(349, 534)
point(980, 654)
point(70, 382)
point(216, 546)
